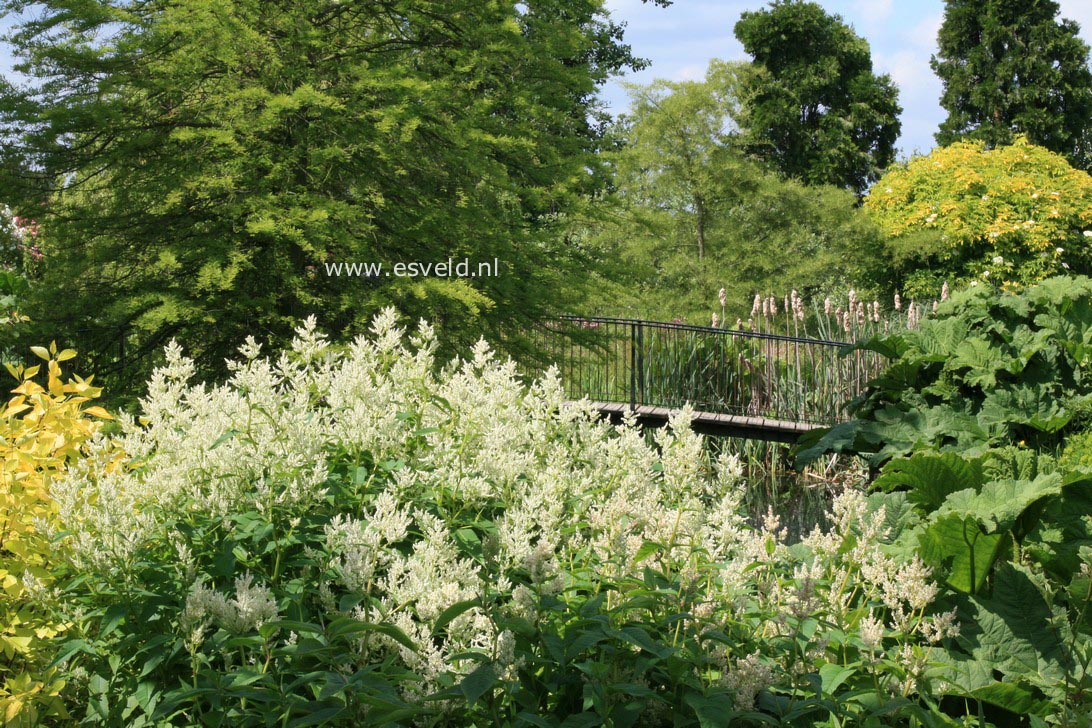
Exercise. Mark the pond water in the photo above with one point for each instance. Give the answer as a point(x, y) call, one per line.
point(799, 499)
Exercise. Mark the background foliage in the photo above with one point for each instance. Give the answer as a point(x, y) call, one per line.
point(197, 165)
point(691, 214)
point(1012, 215)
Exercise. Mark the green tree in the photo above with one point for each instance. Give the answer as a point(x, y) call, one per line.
point(196, 165)
point(814, 109)
point(691, 215)
point(782, 236)
point(1014, 68)
point(1011, 216)
point(677, 158)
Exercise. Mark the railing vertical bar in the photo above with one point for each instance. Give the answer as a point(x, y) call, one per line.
point(633, 365)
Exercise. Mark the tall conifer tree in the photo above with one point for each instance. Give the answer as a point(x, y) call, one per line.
point(1013, 67)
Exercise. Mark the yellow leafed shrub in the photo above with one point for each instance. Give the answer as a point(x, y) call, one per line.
point(42, 429)
point(1010, 216)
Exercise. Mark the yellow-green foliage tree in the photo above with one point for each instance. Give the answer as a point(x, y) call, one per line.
point(42, 431)
point(1011, 215)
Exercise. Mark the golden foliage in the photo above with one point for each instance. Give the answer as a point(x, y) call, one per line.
point(1017, 212)
point(42, 430)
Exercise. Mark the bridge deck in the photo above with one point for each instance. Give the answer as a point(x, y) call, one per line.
point(712, 423)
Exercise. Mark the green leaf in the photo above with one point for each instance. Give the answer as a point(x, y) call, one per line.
point(114, 616)
point(1013, 697)
point(833, 675)
point(891, 346)
point(899, 515)
point(1011, 630)
point(70, 648)
point(640, 637)
point(813, 444)
point(959, 543)
point(242, 678)
point(320, 713)
point(1063, 528)
point(1036, 406)
point(478, 682)
point(647, 549)
point(229, 435)
point(98, 685)
point(583, 641)
point(1001, 502)
point(583, 719)
point(454, 611)
point(929, 478)
point(345, 627)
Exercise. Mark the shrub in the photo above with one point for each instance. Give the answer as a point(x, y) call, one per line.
point(1078, 451)
point(1014, 215)
point(351, 537)
point(965, 422)
point(989, 369)
point(42, 429)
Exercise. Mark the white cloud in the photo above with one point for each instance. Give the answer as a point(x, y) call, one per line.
point(690, 72)
point(874, 14)
point(924, 34)
point(1081, 11)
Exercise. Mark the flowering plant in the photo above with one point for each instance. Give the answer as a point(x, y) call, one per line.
point(349, 535)
point(42, 429)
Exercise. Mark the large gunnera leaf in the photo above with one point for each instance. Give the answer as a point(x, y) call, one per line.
point(1010, 633)
point(929, 478)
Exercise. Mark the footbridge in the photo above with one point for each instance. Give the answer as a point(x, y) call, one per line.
point(739, 383)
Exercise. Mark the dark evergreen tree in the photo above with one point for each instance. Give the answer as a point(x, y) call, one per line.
point(1012, 67)
point(814, 108)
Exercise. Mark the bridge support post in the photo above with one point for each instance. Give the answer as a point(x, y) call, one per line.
point(634, 327)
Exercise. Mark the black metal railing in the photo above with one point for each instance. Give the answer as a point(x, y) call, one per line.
point(715, 370)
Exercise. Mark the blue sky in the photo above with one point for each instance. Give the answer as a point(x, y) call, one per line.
point(680, 41)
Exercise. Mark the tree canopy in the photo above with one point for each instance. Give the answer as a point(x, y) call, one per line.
point(814, 108)
point(691, 214)
point(1014, 68)
point(196, 165)
point(1011, 215)
point(677, 155)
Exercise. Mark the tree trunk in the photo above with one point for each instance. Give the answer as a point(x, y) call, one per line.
point(699, 208)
